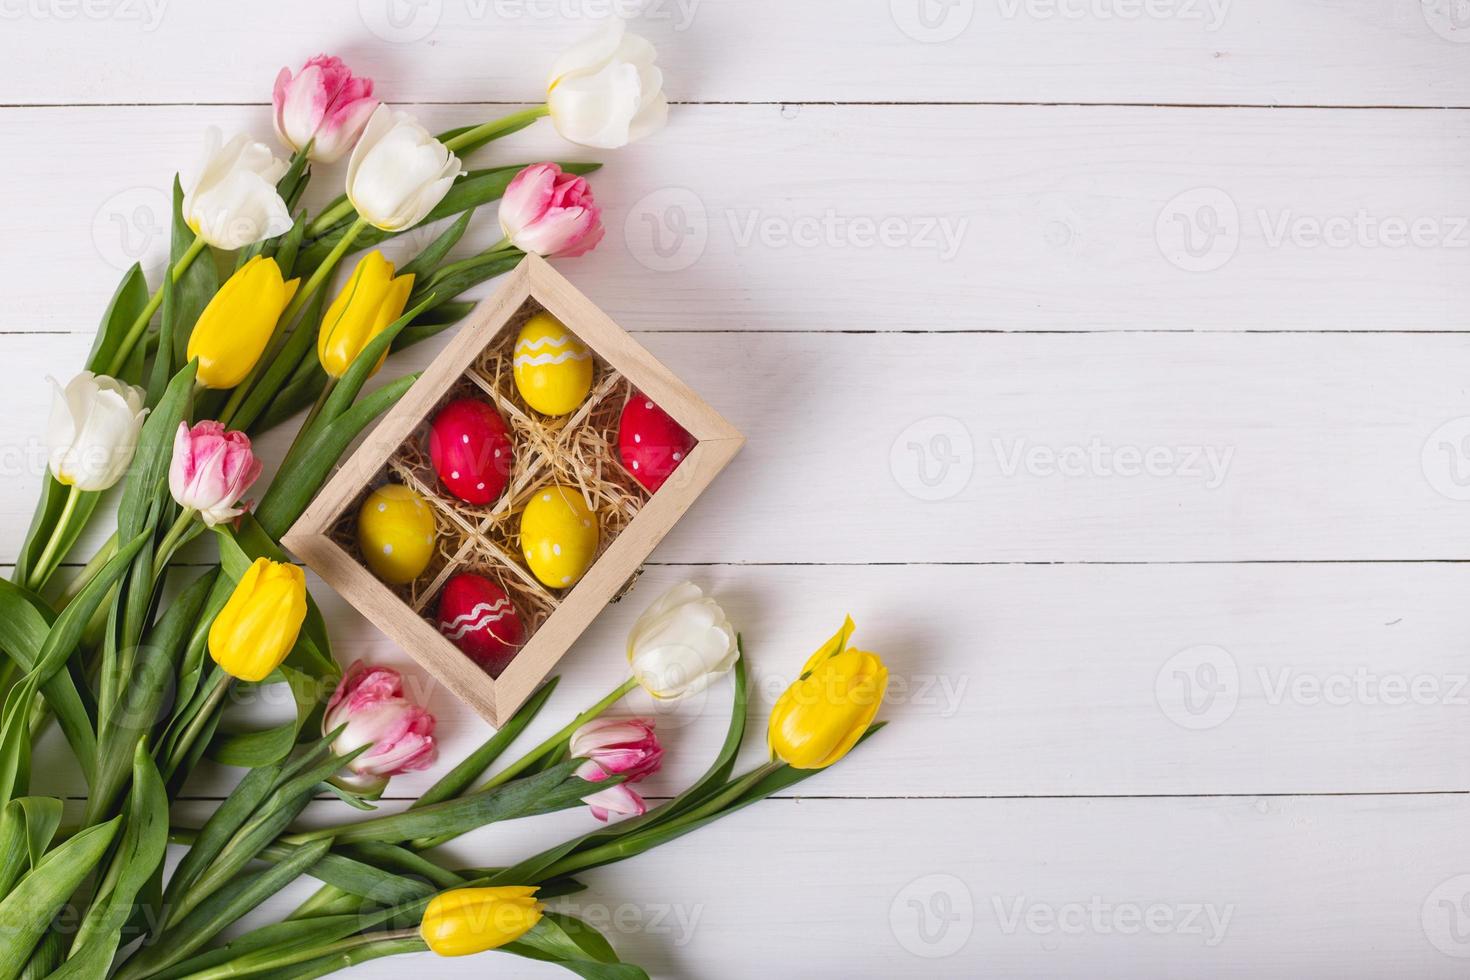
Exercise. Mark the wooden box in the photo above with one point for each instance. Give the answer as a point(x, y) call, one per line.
point(483, 538)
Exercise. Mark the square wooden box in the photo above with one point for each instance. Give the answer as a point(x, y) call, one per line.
point(319, 538)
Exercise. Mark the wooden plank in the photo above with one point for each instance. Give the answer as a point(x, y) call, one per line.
point(1131, 888)
point(1355, 52)
point(880, 217)
point(1019, 447)
point(1047, 680)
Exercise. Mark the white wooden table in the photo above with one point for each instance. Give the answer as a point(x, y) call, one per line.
point(1104, 358)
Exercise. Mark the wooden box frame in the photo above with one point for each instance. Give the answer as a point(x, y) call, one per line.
point(496, 699)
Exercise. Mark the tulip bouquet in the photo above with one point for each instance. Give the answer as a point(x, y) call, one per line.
point(136, 656)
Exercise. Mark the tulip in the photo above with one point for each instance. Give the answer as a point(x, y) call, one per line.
point(234, 329)
point(606, 91)
point(232, 201)
point(825, 711)
point(370, 708)
point(614, 747)
point(398, 172)
point(472, 920)
point(681, 643)
point(323, 109)
point(550, 212)
point(93, 431)
point(259, 622)
point(371, 300)
point(211, 470)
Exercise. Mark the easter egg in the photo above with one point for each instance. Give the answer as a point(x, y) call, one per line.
point(395, 531)
point(477, 616)
point(552, 368)
point(650, 442)
point(558, 535)
point(470, 448)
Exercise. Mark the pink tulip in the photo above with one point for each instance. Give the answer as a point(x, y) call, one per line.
point(325, 103)
point(616, 747)
point(211, 470)
point(550, 213)
point(369, 701)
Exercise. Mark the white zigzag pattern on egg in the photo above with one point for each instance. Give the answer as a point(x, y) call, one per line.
point(482, 615)
point(526, 360)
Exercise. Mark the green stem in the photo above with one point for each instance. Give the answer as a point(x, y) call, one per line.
point(316, 409)
point(264, 960)
point(298, 302)
point(196, 725)
point(135, 331)
point(171, 541)
point(89, 571)
point(496, 128)
point(50, 556)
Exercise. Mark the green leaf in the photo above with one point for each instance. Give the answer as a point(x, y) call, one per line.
point(24, 621)
point(346, 390)
point(291, 491)
point(454, 279)
point(468, 772)
point(127, 303)
point(27, 825)
point(573, 944)
point(198, 284)
point(423, 263)
point(259, 748)
point(27, 911)
point(268, 390)
point(149, 471)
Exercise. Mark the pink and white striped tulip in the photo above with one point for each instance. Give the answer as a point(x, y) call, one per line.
point(370, 702)
point(323, 105)
point(212, 468)
point(550, 213)
point(624, 747)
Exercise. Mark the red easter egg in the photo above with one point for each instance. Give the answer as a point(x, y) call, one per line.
point(470, 448)
point(651, 443)
point(477, 616)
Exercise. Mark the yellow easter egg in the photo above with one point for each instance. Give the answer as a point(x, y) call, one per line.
point(558, 535)
point(552, 368)
point(395, 531)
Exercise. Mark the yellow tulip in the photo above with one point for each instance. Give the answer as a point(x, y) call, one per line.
point(258, 625)
point(472, 920)
point(232, 332)
point(821, 716)
point(370, 301)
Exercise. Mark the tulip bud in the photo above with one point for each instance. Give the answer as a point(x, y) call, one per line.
point(550, 212)
point(606, 90)
point(825, 711)
point(398, 172)
point(369, 701)
point(370, 301)
point(232, 199)
point(259, 623)
point(93, 430)
point(234, 329)
point(616, 747)
point(472, 920)
point(680, 643)
point(211, 470)
point(325, 106)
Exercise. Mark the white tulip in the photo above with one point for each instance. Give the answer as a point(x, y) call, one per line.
point(93, 430)
point(681, 643)
point(606, 91)
point(398, 172)
point(232, 200)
